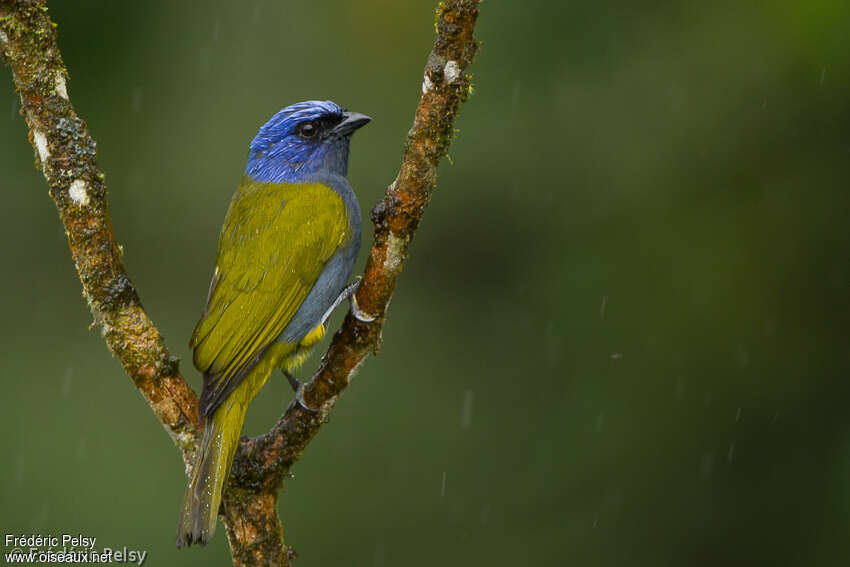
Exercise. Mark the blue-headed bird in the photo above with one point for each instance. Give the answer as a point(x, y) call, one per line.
point(286, 251)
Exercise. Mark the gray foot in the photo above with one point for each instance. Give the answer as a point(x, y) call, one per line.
point(348, 293)
point(298, 388)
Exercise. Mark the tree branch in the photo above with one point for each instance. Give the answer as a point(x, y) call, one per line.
point(66, 154)
point(445, 85)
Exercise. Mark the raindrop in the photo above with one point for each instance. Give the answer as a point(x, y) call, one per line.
point(82, 449)
point(675, 97)
point(19, 470)
point(204, 59)
point(600, 421)
point(443, 486)
point(822, 76)
point(706, 466)
point(466, 415)
point(595, 523)
point(616, 356)
point(743, 355)
point(731, 453)
point(603, 306)
point(138, 95)
point(516, 94)
point(770, 327)
point(380, 553)
point(41, 519)
point(66, 382)
point(738, 415)
point(216, 29)
point(680, 389)
point(553, 346)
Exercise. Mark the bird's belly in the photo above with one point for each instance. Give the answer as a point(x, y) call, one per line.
point(323, 294)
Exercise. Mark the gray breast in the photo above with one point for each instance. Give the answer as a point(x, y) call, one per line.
point(334, 276)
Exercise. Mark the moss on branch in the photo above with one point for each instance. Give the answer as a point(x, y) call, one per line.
point(67, 155)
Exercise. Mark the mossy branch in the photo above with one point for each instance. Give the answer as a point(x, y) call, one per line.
point(66, 154)
point(445, 85)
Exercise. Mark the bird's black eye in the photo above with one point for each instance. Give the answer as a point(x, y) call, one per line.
point(307, 130)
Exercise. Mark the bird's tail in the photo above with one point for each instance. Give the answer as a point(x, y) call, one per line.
point(213, 460)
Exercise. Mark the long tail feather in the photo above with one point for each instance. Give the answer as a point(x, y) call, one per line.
point(212, 465)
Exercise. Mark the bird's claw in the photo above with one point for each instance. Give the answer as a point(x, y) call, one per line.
point(299, 396)
point(299, 391)
point(358, 313)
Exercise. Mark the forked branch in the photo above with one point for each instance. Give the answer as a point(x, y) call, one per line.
point(66, 154)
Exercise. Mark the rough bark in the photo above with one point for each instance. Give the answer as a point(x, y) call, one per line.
point(66, 154)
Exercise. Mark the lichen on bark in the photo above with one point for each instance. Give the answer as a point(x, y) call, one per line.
point(67, 155)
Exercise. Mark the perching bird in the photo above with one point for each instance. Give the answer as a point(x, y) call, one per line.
point(286, 250)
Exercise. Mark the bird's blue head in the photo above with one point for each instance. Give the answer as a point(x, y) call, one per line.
point(304, 142)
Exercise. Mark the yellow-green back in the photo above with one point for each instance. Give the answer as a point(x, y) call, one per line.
point(275, 241)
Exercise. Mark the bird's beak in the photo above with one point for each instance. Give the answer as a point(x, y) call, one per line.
point(351, 121)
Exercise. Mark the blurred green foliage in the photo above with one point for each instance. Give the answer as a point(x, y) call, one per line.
point(621, 339)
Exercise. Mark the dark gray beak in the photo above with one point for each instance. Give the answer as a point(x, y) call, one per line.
point(351, 121)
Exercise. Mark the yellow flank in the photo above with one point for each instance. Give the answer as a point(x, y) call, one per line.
point(313, 336)
point(297, 358)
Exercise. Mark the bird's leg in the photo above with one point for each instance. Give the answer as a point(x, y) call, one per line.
point(348, 293)
point(293, 381)
point(298, 388)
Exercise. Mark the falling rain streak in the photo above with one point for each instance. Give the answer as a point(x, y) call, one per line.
point(19, 470)
point(466, 414)
point(66, 382)
point(136, 103)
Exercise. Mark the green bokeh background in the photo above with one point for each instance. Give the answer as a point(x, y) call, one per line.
point(621, 338)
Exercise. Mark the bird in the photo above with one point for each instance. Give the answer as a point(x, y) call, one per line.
point(286, 251)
